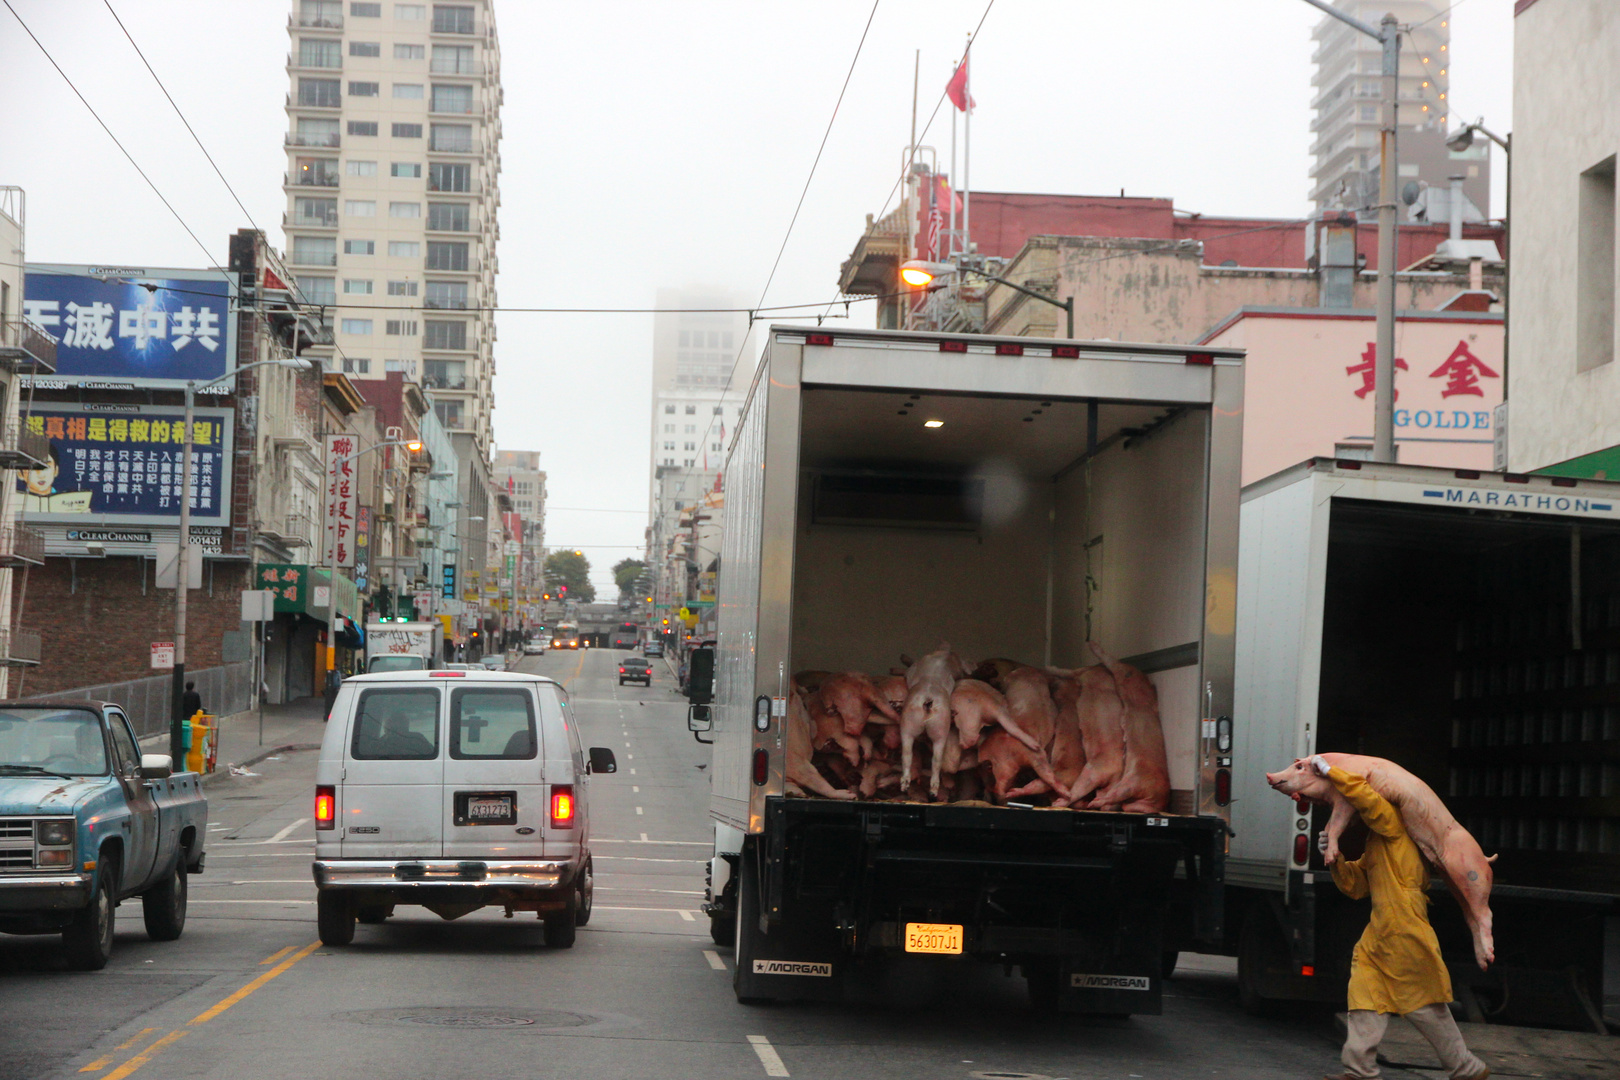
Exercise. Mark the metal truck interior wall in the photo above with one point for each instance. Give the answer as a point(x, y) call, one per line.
point(862, 594)
point(1479, 681)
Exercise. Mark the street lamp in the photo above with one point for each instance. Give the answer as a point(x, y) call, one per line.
point(177, 717)
point(919, 273)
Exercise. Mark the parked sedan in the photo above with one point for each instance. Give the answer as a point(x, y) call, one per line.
point(635, 669)
point(494, 662)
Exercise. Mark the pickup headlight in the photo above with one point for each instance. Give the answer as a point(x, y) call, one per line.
point(54, 857)
point(53, 833)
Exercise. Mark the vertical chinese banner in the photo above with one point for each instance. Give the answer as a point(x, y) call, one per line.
point(340, 500)
point(362, 547)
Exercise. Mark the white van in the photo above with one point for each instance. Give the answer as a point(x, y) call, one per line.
point(454, 790)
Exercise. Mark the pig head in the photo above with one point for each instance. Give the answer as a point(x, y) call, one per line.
point(854, 699)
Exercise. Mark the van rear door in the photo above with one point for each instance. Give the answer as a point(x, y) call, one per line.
point(388, 802)
point(494, 802)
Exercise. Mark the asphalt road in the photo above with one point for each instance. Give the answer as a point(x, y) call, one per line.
point(249, 993)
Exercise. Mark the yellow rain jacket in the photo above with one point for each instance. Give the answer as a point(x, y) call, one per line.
point(1396, 967)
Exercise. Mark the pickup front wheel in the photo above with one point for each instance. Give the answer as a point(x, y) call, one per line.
point(88, 940)
point(164, 906)
point(334, 917)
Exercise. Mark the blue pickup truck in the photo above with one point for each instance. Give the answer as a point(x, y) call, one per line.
point(87, 821)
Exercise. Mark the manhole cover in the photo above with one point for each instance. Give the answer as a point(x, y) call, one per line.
point(1002, 1075)
point(475, 1019)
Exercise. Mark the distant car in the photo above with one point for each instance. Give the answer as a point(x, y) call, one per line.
point(494, 662)
point(635, 669)
point(397, 662)
point(464, 667)
point(534, 647)
point(653, 648)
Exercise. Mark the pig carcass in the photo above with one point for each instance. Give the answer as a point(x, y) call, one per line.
point(1002, 759)
point(856, 701)
point(927, 711)
point(800, 771)
point(1143, 786)
point(1100, 717)
point(976, 705)
point(828, 731)
point(1067, 754)
point(1444, 843)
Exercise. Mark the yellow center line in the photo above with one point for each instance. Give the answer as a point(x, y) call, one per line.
point(273, 957)
point(144, 1056)
point(577, 669)
point(105, 1060)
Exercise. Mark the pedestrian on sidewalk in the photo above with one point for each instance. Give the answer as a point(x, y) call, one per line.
point(190, 701)
point(334, 679)
point(1396, 967)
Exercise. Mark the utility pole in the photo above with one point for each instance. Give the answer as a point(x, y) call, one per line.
point(1388, 35)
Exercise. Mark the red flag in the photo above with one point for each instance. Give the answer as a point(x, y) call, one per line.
point(956, 89)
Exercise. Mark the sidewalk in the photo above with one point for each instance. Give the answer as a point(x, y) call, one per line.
point(298, 725)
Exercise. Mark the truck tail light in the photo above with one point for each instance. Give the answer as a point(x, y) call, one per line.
point(1223, 787)
point(1201, 358)
point(562, 806)
point(325, 807)
point(1302, 849)
point(762, 767)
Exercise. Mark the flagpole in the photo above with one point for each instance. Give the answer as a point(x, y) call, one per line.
point(952, 247)
point(967, 151)
point(911, 151)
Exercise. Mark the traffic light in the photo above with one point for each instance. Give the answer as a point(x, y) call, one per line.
point(666, 622)
point(563, 591)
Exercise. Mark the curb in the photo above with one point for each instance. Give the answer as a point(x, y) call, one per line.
point(267, 752)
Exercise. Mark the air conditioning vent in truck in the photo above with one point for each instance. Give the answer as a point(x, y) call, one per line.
point(897, 500)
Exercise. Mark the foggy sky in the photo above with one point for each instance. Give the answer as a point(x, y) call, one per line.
point(657, 144)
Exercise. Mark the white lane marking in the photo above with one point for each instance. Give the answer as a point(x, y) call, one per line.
point(626, 745)
point(259, 843)
point(641, 858)
point(630, 757)
point(202, 900)
point(632, 771)
point(688, 916)
point(714, 959)
point(661, 892)
point(634, 790)
point(638, 811)
point(644, 839)
point(768, 1056)
point(283, 834)
point(262, 855)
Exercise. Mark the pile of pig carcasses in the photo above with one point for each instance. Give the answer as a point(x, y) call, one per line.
point(1000, 731)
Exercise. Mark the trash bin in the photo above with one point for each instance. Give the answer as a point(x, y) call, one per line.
point(199, 743)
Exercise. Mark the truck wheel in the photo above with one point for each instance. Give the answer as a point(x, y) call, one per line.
point(587, 893)
point(1168, 961)
point(88, 940)
point(723, 929)
point(371, 914)
point(164, 905)
point(562, 928)
point(1044, 982)
point(746, 929)
point(334, 917)
point(1261, 948)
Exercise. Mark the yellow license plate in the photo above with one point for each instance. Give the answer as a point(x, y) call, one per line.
point(924, 937)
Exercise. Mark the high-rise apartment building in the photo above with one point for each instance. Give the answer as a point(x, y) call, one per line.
point(393, 162)
point(1348, 109)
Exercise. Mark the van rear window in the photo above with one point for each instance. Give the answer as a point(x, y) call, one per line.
point(397, 725)
point(492, 724)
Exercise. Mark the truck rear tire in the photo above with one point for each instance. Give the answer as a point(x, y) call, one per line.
point(88, 940)
point(164, 906)
point(1260, 948)
point(587, 893)
point(334, 917)
point(562, 928)
point(746, 927)
point(723, 929)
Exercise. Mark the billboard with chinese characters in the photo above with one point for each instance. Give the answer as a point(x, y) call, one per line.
point(341, 499)
point(1308, 386)
point(131, 325)
point(126, 470)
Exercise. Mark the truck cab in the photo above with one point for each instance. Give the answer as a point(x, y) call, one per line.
point(87, 821)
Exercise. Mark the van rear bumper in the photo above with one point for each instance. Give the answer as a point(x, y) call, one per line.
point(405, 874)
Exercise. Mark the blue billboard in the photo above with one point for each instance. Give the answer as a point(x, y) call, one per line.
point(132, 325)
point(125, 468)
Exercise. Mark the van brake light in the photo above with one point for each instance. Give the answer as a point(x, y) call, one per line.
point(325, 807)
point(562, 806)
point(447, 674)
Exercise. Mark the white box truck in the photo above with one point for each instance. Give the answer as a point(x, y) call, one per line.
point(889, 490)
point(404, 646)
point(1467, 626)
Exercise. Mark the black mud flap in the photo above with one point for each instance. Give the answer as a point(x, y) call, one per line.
point(790, 963)
point(1109, 993)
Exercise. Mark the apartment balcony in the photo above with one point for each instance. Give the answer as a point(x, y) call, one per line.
point(25, 346)
point(461, 28)
point(21, 448)
point(295, 64)
point(315, 22)
point(300, 103)
point(470, 148)
point(290, 531)
point(445, 382)
point(320, 180)
point(309, 221)
point(21, 546)
point(313, 260)
point(19, 647)
point(445, 66)
point(470, 266)
point(297, 139)
point(472, 225)
point(473, 187)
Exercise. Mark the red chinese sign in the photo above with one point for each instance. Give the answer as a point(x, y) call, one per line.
point(341, 499)
point(1367, 369)
point(1462, 371)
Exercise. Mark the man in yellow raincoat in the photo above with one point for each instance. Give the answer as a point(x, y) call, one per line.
point(1396, 967)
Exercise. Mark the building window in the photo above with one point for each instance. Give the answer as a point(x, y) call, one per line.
point(404, 367)
point(669, 429)
point(690, 446)
point(691, 410)
point(717, 410)
point(453, 60)
point(407, 131)
point(405, 209)
point(449, 217)
point(315, 172)
point(356, 365)
point(669, 444)
point(452, 19)
point(404, 249)
point(451, 99)
point(444, 176)
point(362, 168)
point(358, 327)
point(359, 247)
point(444, 335)
point(449, 414)
point(408, 91)
point(1594, 267)
point(366, 11)
point(357, 286)
point(667, 461)
point(669, 410)
point(365, 48)
point(687, 463)
point(400, 327)
point(402, 288)
point(451, 138)
point(410, 52)
point(364, 89)
point(321, 93)
point(691, 429)
point(323, 13)
point(319, 53)
point(407, 170)
point(410, 12)
point(318, 290)
point(315, 250)
point(447, 295)
point(360, 207)
point(361, 127)
point(445, 374)
point(446, 255)
point(319, 212)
